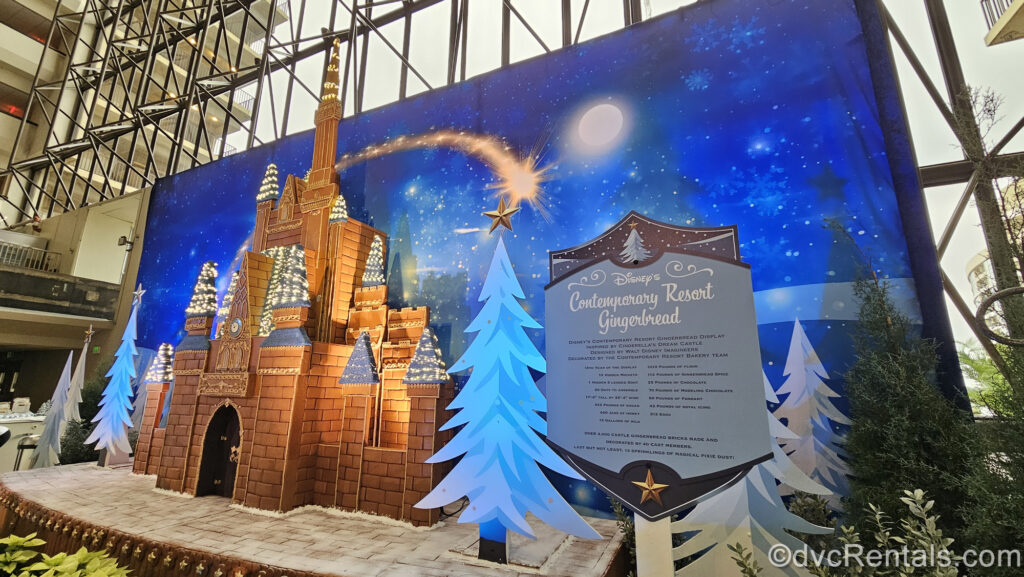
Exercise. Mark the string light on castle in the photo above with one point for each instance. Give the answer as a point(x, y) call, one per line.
point(162, 368)
point(360, 368)
point(204, 295)
point(339, 211)
point(289, 286)
point(267, 314)
point(330, 88)
point(373, 274)
point(268, 188)
point(426, 366)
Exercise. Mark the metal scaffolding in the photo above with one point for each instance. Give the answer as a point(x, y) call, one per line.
point(152, 87)
point(148, 88)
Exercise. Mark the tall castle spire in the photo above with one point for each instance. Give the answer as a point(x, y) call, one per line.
point(330, 89)
point(325, 144)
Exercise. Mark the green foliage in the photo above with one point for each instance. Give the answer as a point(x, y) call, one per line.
point(904, 433)
point(918, 533)
point(72, 445)
point(624, 520)
point(133, 438)
point(997, 487)
point(992, 394)
point(814, 509)
point(92, 392)
point(19, 560)
point(745, 560)
point(17, 552)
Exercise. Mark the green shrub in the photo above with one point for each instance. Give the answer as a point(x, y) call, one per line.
point(624, 520)
point(72, 445)
point(904, 432)
point(19, 560)
point(997, 487)
point(917, 531)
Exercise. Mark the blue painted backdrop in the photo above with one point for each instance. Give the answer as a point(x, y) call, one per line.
point(726, 112)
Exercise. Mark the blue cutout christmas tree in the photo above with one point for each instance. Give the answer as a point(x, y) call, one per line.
point(49, 440)
point(500, 444)
point(360, 369)
point(112, 419)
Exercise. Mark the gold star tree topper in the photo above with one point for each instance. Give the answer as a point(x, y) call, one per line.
point(137, 295)
point(652, 490)
point(501, 217)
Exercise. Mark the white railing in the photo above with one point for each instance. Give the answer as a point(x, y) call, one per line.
point(994, 10)
point(29, 257)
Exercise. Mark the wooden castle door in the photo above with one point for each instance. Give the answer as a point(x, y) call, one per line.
point(220, 454)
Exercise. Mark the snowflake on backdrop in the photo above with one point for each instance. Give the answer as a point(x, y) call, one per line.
point(762, 250)
point(705, 36)
point(698, 80)
point(744, 35)
point(767, 191)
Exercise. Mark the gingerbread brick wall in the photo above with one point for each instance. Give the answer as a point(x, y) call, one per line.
point(321, 433)
point(156, 450)
point(357, 415)
point(394, 410)
point(350, 243)
point(188, 365)
point(150, 417)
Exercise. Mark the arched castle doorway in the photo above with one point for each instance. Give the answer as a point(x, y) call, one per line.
point(220, 454)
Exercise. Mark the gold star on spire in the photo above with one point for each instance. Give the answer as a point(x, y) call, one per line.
point(88, 335)
point(652, 490)
point(501, 216)
point(634, 224)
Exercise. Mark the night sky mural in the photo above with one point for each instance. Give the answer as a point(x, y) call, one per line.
point(725, 112)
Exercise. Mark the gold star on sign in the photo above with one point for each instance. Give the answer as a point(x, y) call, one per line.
point(652, 490)
point(501, 216)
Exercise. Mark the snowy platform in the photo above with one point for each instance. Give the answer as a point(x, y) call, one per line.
point(163, 534)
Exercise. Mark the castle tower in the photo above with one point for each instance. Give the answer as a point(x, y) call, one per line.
point(325, 150)
point(268, 195)
point(316, 200)
point(157, 382)
point(190, 361)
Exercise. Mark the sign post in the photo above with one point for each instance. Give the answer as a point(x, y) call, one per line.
point(654, 379)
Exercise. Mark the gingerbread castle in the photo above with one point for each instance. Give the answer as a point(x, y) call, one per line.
point(305, 395)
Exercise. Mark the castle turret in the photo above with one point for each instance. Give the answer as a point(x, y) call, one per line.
point(266, 197)
point(288, 297)
point(190, 360)
point(148, 406)
point(325, 148)
point(201, 310)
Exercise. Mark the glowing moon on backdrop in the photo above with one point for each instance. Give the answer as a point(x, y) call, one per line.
point(600, 125)
point(599, 128)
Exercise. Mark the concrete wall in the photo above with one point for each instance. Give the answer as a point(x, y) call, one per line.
point(40, 371)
